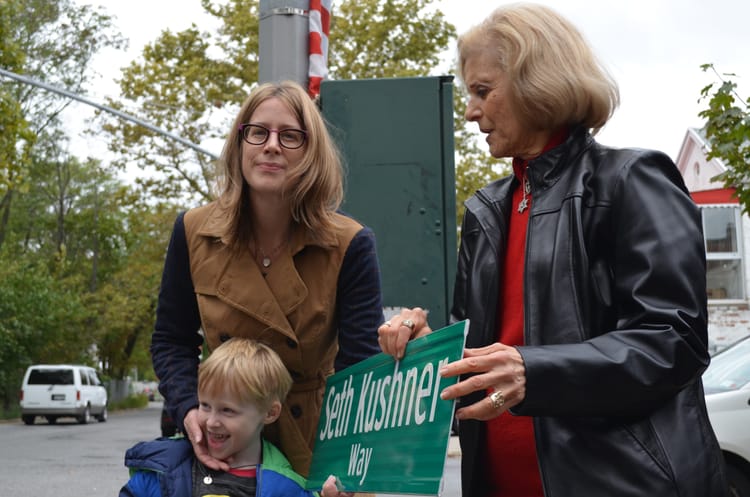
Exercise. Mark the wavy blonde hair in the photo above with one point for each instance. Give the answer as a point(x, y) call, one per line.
point(250, 371)
point(556, 80)
point(314, 187)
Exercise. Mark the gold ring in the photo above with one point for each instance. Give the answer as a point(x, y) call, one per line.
point(497, 399)
point(408, 323)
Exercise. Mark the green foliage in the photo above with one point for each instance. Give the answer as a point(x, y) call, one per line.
point(81, 253)
point(191, 83)
point(727, 129)
point(50, 41)
point(16, 137)
point(83, 261)
point(11, 412)
point(63, 222)
point(187, 83)
point(126, 304)
point(42, 319)
point(386, 38)
point(178, 87)
point(138, 401)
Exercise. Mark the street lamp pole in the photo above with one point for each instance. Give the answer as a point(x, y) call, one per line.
point(283, 41)
point(105, 108)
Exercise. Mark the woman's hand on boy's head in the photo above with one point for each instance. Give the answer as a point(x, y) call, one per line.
point(331, 489)
point(195, 435)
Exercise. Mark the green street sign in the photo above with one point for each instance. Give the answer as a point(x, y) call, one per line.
point(384, 427)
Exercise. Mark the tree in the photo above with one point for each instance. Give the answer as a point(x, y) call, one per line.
point(178, 87)
point(44, 235)
point(386, 38)
point(42, 319)
point(185, 82)
point(125, 304)
point(95, 291)
point(728, 132)
point(380, 53)
point(191, 83)
point(51, 41)
point(71, 214)
point(16, 138)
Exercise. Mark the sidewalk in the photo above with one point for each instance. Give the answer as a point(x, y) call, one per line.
point(454, 449)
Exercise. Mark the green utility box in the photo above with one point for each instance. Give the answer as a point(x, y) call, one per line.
point(397, 139)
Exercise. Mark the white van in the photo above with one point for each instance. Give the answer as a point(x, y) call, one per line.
point(62, 390)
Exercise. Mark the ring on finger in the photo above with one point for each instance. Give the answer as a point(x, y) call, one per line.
point(408, 323)
point(496, 399)
point(387, 323)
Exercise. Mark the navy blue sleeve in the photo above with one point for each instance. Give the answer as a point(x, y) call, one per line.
point(175, 343)
point(359, 306)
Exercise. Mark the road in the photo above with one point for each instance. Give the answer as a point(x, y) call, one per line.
point(70, 460)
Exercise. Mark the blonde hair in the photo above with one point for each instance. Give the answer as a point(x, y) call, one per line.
point(314, 187)
point(556, 79)
point(249, 370)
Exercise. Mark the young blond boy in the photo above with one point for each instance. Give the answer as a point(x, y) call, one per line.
point(240, 389)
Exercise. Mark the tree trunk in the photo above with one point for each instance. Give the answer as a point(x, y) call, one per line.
point(5, 214)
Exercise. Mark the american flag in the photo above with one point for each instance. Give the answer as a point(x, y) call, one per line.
point(320, 23)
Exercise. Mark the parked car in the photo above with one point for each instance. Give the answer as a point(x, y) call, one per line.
point(149, 393)
point(62, 390)
point(727, 386)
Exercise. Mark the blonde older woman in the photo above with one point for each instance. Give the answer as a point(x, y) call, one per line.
point(583, 277)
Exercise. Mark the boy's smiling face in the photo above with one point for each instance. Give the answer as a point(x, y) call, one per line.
point(232, 427)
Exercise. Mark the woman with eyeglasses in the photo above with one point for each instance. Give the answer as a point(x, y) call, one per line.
point(270, 259)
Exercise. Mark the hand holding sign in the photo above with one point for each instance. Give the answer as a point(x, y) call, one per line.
point(394, 334)
point(384, 427)
point(332, 488)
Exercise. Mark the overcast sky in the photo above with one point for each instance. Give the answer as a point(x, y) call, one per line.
point(653, 48)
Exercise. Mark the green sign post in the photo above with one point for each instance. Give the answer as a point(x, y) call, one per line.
point(384, 427)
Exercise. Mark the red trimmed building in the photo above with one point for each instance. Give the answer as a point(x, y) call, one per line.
point(727, 235)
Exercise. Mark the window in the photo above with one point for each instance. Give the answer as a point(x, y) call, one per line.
point(51, 377)
point(721, 230)
point(94, 379)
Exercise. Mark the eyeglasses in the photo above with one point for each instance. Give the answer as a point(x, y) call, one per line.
point(289, 138)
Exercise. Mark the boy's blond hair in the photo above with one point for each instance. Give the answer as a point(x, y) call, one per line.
point(249, 370)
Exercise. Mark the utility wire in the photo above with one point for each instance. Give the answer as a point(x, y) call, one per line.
point(122, 115)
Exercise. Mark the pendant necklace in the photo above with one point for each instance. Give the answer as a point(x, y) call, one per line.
point(207, 479)
point(266, 258)
point(524, 203)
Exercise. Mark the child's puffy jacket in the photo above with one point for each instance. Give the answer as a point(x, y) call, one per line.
point(163, 468)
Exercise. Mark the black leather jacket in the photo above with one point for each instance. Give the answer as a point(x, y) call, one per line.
point(615, 323)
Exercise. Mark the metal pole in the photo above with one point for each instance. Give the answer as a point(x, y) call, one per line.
point(283, 41)
point(122, 115)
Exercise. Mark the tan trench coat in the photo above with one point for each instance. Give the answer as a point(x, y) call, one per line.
point(292, 310)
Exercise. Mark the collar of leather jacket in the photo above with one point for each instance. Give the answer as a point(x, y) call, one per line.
point(545, 170)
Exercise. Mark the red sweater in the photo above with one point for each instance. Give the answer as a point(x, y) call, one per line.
point(512, 466)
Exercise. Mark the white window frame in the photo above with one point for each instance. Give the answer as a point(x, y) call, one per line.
point(737, 256)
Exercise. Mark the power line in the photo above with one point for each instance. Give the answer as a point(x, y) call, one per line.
point(122, 115)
